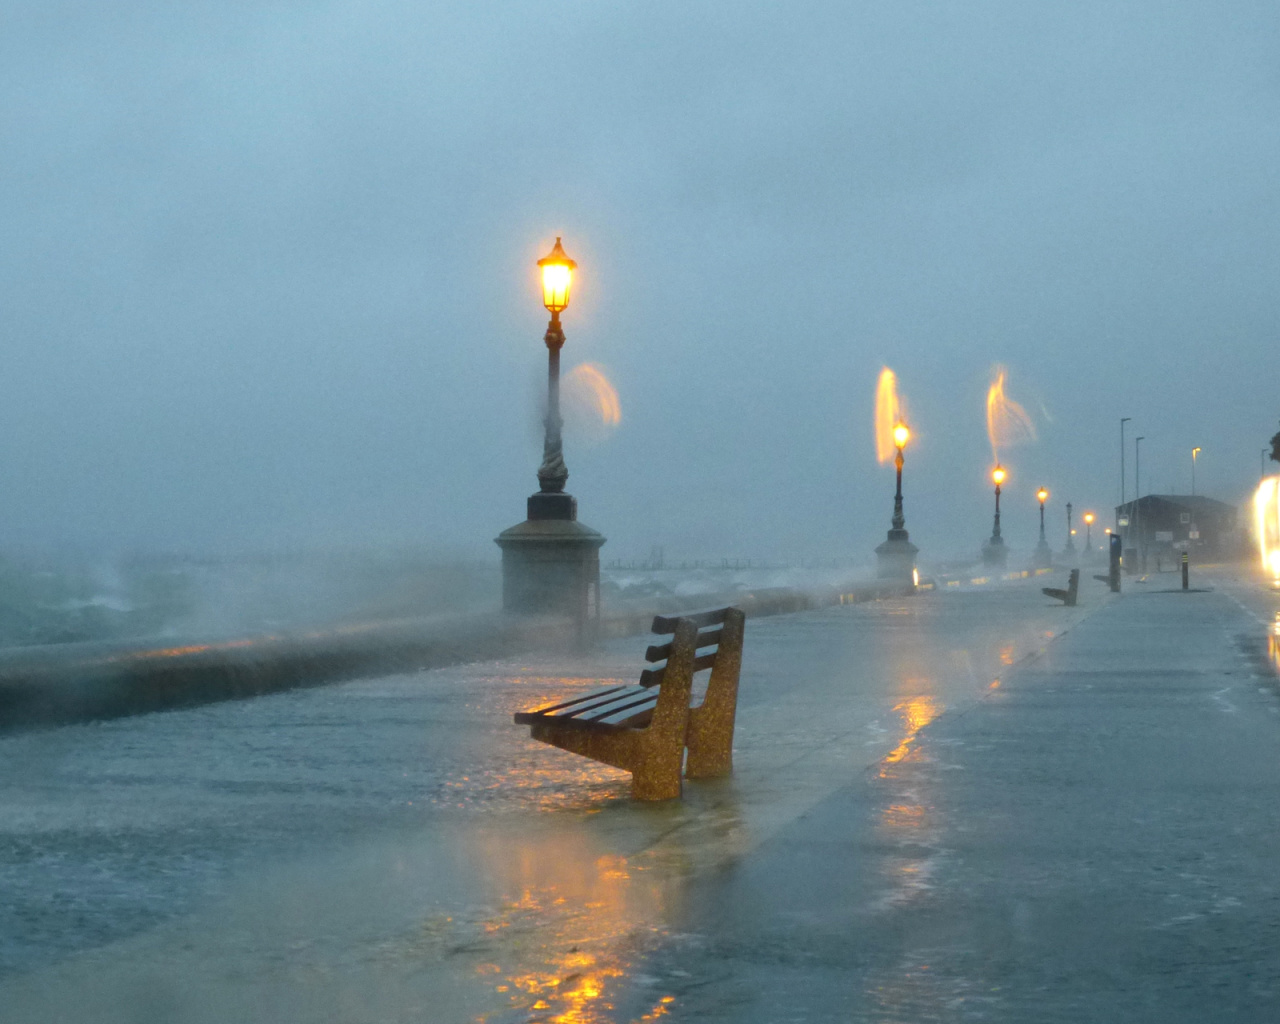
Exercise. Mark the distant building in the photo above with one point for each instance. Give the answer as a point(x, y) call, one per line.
point(1160, 526)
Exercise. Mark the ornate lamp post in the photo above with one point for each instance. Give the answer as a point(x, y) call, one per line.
point(551, 562)
point(1088, 533)
point(1070, 549)
point(1044, 557)
point(994, 552)
point(897, 555)
point(551, 501)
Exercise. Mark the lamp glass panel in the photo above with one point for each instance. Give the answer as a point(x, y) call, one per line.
point(556, 279)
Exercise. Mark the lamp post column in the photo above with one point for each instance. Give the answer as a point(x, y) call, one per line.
point(994, 553)
point(553, 474)
point(1044, 556)
point(1070, 549)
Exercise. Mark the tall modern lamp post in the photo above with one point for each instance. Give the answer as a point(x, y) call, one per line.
point(551, 562)
point(994, 552)
point(1194, 453)
point(1123, 421)
point(1044, 557)
point(896, 557)
point(1135, 523)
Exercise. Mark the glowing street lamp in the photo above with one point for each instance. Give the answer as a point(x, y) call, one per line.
point(1044, 557)
point(557, 276)
point(550, 562)
point(897, 555)
point(1088, 532)
point(900, 437)
point(1194, 453)
point(993, 551)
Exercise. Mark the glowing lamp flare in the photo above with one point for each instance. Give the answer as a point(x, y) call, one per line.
point(1007, 422)
point(1088, 519)
point(998, 475)
point(557, 276)
point(890, 418)
point(1043, 495)
point(1266, 511)
point(590, 394)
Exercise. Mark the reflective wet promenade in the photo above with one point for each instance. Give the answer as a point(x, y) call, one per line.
point(972, 805)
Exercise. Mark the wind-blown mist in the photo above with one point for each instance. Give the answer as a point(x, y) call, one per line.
point(268, 273)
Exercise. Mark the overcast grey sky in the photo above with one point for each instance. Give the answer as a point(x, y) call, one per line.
point(266, 270)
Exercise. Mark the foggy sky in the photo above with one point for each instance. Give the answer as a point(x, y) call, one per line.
point(266, 269)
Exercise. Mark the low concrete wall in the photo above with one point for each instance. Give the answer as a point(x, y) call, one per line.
point(60, 684)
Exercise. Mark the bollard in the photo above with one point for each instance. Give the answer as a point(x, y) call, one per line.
point(1185, 570)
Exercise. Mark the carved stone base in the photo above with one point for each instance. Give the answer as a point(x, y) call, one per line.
point(552, 506)
point(995, 554)
point(551, 567)
point(896, 557)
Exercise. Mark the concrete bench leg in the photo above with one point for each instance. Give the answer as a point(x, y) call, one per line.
point(710, 733)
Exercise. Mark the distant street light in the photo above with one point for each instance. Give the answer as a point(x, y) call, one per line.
point(897, 555)
point(1044, 557)
point(994, 552)
point(1088, 531)
point(1194, 453)
point(1123, 421)
point(1137, 496)
point(900, 437)
point(1070, 549)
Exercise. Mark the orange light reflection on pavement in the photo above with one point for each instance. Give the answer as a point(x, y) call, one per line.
point(917, 712)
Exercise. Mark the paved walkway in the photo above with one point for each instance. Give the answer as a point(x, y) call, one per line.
point(977, 805)
point(1097, 841)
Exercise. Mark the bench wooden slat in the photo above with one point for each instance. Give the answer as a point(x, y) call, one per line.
point(660, 651)
point(631, 715)
point(577, 705)
point(653, 676)
point(634, 695)
point(622, 709)
point(667, 623)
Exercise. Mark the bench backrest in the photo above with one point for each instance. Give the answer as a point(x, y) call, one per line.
point(710, 626)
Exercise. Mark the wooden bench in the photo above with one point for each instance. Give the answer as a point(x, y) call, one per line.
point(1068, 596)
point(645, 728)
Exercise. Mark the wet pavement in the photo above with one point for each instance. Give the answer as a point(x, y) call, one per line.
point(973, 805)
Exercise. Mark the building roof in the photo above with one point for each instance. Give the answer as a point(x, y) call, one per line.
point(1197, 504)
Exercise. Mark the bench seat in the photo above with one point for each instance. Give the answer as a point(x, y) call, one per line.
point(617, 707)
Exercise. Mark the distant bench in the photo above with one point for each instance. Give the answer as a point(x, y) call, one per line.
point(645, 728)
point(1068, 596)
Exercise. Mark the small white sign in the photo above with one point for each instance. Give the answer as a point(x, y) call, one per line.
point(1194, 534)
point(1165, 535)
